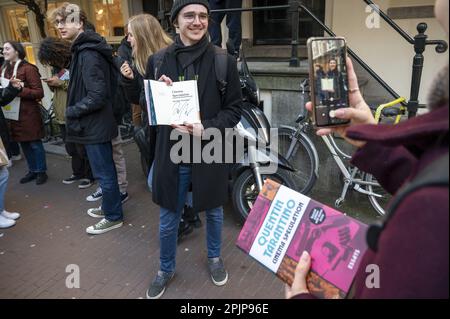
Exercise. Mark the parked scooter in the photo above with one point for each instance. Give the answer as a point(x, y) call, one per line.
point(256, 165)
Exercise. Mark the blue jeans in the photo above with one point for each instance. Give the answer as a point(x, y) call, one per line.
point(35, 155)
point(4, 174)
point(103, 168)
point(169, 222)
point(233, 22)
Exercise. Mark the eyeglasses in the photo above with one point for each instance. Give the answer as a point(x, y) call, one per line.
point(190, 17)
point(61, 22)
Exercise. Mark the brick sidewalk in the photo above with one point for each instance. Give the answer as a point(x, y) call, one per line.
point(51, 235)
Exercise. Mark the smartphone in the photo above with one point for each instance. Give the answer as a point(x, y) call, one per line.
point(328, 80)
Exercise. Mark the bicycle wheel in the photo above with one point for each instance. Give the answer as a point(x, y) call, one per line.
point(299, 154)
point(245, 191)
point(380, 197)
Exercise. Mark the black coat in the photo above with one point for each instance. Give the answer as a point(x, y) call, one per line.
point(125, 51)
point(89, 114)
point(209, 181)
point(8, 94)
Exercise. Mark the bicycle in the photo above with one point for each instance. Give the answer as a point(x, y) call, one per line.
point(301, 152)
point(48, 115)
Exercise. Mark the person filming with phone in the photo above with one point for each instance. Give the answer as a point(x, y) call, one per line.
point(410, 160)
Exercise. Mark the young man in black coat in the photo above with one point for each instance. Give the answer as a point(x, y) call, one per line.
point(192, 57)
point(89, 114)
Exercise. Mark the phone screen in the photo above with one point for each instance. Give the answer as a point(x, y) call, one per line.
point(329, 79)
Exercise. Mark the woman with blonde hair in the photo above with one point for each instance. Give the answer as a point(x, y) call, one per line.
point(146, 37)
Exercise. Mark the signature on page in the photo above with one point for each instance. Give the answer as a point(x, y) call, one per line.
point(182, 110)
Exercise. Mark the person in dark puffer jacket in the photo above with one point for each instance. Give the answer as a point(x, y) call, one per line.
point(89, 114)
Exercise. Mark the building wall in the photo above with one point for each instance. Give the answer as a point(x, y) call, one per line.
point(383, 48)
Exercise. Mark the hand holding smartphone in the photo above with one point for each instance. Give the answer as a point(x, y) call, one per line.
point(328, 80)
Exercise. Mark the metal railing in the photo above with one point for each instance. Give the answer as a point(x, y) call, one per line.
point(295, 8)
point(420, 43)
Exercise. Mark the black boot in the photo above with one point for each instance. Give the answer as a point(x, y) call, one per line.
point(192, 217)
point(28, 178)
point(41, 178)
point(184, 229)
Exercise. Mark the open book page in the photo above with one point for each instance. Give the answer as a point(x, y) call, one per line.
point(327, 85)
point(176, 104)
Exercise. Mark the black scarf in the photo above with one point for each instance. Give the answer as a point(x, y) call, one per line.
point(189, 56)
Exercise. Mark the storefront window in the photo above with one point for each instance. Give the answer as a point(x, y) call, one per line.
point(109, 20)
point(18, 23)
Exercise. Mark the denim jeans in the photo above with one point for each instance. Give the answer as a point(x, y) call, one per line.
point(233, 22)
point(35, 155)
point(104, 171)
point(169, 222)
point(4, 174)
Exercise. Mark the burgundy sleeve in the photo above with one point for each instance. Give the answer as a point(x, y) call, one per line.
point(33, 89)
point(391, 166)
point(413, 253)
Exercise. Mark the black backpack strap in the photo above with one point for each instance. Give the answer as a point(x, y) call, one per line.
point(221, 68)
point(436, 174)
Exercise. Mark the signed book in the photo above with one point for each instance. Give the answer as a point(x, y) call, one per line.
point(176, 104)
point(284, 223)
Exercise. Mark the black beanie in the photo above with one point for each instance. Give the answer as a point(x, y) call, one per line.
point(180, 4)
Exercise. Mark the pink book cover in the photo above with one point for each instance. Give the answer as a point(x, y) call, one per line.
point(335, 242)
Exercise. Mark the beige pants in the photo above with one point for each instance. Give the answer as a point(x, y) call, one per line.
point(119, 161)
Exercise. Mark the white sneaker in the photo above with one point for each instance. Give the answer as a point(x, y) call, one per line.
point(9, 215)
point(16, 157)
point(6, 222)
point(95, 196)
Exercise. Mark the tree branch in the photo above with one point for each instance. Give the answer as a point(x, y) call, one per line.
point(40, 13)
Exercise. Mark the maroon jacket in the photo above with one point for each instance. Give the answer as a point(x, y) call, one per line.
point(30, 126)
point(413, 250)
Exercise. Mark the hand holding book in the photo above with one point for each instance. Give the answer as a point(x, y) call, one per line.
point(173, 103)
point(283, 224)
point(300, 286)
point(195, 129)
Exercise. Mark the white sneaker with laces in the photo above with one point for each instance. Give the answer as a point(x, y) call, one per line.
point(9, 215)
point(95, 196)
point(6, 222)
